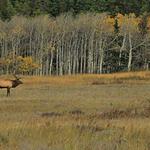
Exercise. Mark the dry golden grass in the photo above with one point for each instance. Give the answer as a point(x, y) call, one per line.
point(74, 113)
point(125, 77)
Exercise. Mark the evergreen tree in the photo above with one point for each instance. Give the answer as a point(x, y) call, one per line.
point(143, 23)
point(54, 8)
point(116, 26)
point(6, 9)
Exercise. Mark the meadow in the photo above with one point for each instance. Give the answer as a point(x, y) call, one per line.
point(79, 112)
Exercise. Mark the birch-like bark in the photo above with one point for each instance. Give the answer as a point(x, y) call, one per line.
point(121, 49)
point(101, 53)
point(130, 53)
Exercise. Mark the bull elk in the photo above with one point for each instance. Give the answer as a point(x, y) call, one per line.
point(8, 84)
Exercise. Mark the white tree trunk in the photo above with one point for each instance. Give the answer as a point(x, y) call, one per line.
point(130, 53)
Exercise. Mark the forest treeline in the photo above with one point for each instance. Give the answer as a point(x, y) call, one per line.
point(87, 43)
point(9, 8)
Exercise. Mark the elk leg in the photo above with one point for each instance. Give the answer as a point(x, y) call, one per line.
point(8, 91)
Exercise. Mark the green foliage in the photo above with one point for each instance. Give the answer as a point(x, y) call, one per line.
point(56, 7)
point(6, 9)
point(144, 23)
point(116, 26)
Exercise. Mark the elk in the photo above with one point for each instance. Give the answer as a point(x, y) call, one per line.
point(8, 84)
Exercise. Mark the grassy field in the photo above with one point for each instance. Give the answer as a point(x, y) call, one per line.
point(83, 112)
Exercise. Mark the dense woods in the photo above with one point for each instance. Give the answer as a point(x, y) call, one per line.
point(87, 43)
point(9, 8)
point(56, 37)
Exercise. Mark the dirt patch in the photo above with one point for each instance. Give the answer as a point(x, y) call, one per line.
point(76, 112)
point(98, 82)
point(126, 113)
point(84, 128)
point(108, 81)
point(111, 114)
point(51, 114)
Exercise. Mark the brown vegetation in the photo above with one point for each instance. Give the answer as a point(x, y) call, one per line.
point(94, 79)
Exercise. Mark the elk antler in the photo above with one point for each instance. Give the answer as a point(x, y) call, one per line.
point(16, 77)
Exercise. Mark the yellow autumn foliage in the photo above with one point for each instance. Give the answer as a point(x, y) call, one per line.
point(26, 64)
point(21, 64)
point(128, 23)
point(105, 24)
point(109, 22)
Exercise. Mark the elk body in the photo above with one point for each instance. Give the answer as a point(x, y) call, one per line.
point(8, 84)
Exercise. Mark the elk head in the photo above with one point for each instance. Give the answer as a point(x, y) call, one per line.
point(16, 82)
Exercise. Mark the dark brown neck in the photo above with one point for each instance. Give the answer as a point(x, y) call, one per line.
point(14, 83)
